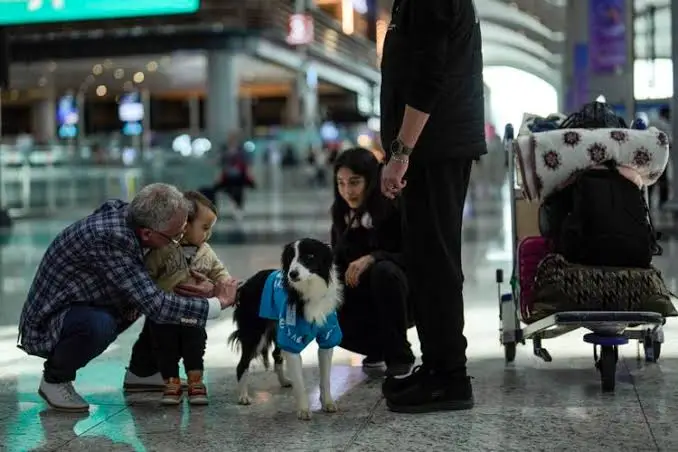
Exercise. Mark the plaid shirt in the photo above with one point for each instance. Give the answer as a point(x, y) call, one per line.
point(98, 261)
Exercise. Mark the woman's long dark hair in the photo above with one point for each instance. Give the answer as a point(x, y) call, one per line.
point(363, 163)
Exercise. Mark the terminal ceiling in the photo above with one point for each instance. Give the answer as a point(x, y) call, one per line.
point(530, 34)
point(525, 34)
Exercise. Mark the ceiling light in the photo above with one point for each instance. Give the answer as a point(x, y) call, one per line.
point(119, 73)
point(138, 77)
point(51, 66)
point(42, 82)
point(97, 69)
point(108, 64)
point(152, 66)
point(101, 91)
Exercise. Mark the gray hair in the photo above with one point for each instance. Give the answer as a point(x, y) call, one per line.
point(156, 205)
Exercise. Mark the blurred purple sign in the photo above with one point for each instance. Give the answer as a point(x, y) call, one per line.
point(580, 89)
point(607, 35)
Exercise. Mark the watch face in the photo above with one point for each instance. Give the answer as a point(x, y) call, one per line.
point(396, 148)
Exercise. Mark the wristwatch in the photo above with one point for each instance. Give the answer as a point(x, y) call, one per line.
point(399, 151)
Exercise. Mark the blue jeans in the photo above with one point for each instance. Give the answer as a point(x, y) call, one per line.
point(87, 331)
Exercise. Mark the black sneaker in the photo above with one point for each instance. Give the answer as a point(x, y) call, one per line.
point(398, 383)
point(433, 392)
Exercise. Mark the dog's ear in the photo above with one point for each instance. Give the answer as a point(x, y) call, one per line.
point(287, 256)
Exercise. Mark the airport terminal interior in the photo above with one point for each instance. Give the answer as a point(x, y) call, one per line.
point(98, 101)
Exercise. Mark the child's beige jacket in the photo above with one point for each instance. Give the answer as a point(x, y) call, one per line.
point(168, 266)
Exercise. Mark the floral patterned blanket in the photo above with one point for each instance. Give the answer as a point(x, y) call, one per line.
point(550, 160)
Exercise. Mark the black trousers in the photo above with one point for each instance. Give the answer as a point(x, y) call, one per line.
point(236, 191)
point(374, 317)
point(144, 361)
point(433, 211)
point(176, 342)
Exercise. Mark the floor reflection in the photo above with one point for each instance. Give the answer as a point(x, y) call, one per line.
point(530, 405)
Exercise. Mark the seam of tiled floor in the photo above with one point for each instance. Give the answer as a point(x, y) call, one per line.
point(63, 446)
point(640, 404)
point(363, 425)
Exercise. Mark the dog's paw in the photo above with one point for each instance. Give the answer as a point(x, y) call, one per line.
point(285, 382)
point(244, 400)
point(330, 407)
point(304, 414)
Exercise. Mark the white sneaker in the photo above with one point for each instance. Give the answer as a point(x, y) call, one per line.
point(135, 383)
point(62, 397)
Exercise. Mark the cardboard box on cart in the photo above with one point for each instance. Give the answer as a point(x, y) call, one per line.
point(527, 219)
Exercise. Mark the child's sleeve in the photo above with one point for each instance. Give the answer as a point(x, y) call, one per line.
point(330, 334)
point(154, 263)
point(218, 269)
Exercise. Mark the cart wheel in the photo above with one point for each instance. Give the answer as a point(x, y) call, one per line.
point(510, 352)
point(653, 350)
point(607, 365)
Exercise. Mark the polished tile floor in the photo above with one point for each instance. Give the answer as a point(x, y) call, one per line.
point(529, 405)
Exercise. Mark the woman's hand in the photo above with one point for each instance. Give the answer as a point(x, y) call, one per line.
point(202, 287)
point(356, 269)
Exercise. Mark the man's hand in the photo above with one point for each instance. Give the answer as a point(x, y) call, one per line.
point(356, 269)
point(202, 287)
point(225, 290)
point(392, 177)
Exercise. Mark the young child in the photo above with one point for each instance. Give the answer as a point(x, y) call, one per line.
point(169, 267)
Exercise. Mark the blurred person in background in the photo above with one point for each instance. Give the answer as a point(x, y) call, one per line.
point(433, 124)
point(235, 175)
point(316, 164)
point(663, 123)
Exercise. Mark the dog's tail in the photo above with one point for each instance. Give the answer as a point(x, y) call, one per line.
point(234, 340)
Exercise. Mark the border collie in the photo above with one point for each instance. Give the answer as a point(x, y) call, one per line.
point(289, 308)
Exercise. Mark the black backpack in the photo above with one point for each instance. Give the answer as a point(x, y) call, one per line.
point(602, 218)
point(605, 221)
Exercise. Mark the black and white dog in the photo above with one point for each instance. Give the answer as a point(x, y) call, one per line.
point(288, 308)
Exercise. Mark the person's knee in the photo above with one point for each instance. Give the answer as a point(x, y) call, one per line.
point(386, 272)
point(97, 328)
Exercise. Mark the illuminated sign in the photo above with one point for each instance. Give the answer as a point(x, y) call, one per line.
point(131, 113)
point(360, 6)
point(300, 29)
point(18, 12)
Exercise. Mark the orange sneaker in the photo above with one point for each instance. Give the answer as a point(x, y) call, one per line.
point(173, 393)
point(197, 391)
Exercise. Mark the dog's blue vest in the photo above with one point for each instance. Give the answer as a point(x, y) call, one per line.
point(295, 333)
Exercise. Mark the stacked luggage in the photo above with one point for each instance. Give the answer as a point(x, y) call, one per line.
point(584, 237)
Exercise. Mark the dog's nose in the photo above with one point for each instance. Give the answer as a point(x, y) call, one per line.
point(294, 275)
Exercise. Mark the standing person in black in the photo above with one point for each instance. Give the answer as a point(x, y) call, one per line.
point(367, 245)
point(432, 126)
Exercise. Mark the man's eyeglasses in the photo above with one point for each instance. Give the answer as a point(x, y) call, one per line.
point(176, 240)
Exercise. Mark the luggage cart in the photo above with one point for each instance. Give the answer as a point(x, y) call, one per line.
point(608, 330)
